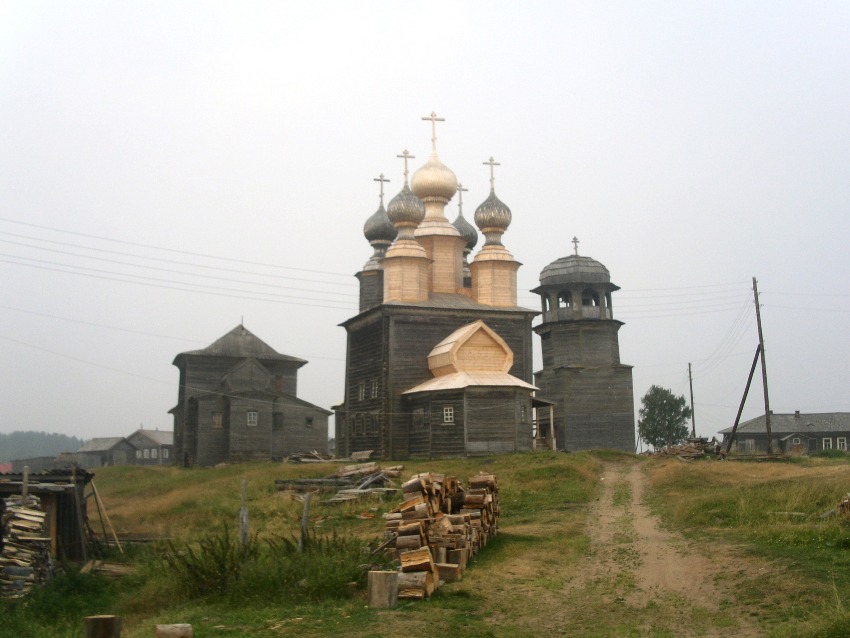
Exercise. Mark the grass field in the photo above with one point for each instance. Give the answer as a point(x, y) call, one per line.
point(785, 567)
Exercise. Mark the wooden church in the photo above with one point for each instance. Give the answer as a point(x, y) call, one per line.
point(439, 356)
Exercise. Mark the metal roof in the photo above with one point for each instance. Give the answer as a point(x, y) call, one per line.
point(797, 422)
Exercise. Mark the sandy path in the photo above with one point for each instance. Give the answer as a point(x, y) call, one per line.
point(635, 566)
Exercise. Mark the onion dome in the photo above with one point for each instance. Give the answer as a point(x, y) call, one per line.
point(434, 180)
point(406, 208)
point(466, 230)
point(492, 215)
point(575, 269)
point(379, 228)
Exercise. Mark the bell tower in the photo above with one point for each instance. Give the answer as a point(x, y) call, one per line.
point(582, 372)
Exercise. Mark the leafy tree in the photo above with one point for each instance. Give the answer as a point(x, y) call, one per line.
point(663, 418)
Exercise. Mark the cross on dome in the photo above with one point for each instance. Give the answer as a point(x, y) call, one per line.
point(491, 163)
point(380, 178)
point(434, 119)
point(460, 191)
point(575, 244)
point(406, 156)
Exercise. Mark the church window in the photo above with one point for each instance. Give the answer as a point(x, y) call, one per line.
point(565, 299)
point(795, 440)
point(375, 389)
point(841, 443)
point(361, 391)
point(252, 418)
point(448, 414)
point(308, 421)
point(216, 420)
point(827, 443)
point(374, 424)
point(589, 298)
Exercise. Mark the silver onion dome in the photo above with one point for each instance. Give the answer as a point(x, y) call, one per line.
point(466, 230)
point(493, 214)
point(406, 208)
point(379, 228)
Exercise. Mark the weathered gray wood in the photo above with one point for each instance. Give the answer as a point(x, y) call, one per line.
point(103, 626)
point(383, 589)
point(180, 630)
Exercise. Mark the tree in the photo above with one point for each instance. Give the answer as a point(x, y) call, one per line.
point(663, 418)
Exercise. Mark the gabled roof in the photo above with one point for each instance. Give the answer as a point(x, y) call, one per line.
point(102, 444)
point(160, 437)
point(241, 342)
point(797, 422)
point(460, 380)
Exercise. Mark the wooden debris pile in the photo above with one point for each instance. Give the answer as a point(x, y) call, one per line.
point(25, 557)
point(438, 527)
point(692, 449)
point(308, 457)
point(350, 482)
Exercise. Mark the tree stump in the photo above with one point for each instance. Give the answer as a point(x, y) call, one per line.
point(103, 626)
point(383, 589)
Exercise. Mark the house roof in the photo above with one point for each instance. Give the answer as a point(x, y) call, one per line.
point(160, 437)
point(460, 380)
point(796, 422)
point(241, 342)
point(102, 444)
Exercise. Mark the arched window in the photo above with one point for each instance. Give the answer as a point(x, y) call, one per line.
point(589, 298)
point(545, 303)
point(565, 299)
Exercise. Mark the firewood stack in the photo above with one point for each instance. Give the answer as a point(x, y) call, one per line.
point(438, 527)
point(25, 557)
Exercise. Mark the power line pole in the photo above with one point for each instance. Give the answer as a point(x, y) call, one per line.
point(763, 369)
point(693, 418)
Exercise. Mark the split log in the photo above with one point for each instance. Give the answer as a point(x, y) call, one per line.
point(407, 543)
point(417, 560)
point(416, 584)
point(449, 572)
point(383, 589)
point(180, 630)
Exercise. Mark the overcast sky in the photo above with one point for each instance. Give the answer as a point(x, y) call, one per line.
point(169, 169)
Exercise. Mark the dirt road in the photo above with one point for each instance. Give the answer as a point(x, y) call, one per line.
point(645, 576)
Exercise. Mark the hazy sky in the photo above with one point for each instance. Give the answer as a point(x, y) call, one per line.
point(170, 168)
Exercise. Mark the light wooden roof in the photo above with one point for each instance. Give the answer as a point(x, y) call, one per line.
point(460, 380)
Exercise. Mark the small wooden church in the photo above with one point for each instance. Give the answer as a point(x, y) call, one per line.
point(237, 402)
point(439, 356)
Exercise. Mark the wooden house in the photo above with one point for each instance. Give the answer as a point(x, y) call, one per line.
point(106, 452)
point(797, 433)
point(419, 291)
point(237, 402)
point(153, 447)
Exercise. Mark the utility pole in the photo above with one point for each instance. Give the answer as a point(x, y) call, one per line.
point(693, 418)
point(763, 369)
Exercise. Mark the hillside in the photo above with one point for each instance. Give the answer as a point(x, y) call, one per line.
point(28, 444)
point(739, 549)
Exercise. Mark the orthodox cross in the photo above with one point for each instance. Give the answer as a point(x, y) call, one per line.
point(491, 163)
point(575, 244)
point(434, 119)
point(407, 156)
point(380, 178)
point(460, 191)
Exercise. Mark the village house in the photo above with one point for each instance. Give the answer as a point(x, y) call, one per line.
point(797, 433)
point(106, 452)
point(153, 447)
point(237, 402)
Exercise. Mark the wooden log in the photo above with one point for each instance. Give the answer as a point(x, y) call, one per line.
point(383, 589)
point(416, 585)
point(180, 630)
point(102, 626)
point(407, 543)
point(458, 557)
point(449, 572)
point(411, 528)
point(417, 560)
point(440, 555)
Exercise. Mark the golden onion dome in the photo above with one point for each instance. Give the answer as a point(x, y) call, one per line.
point(434, 179)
